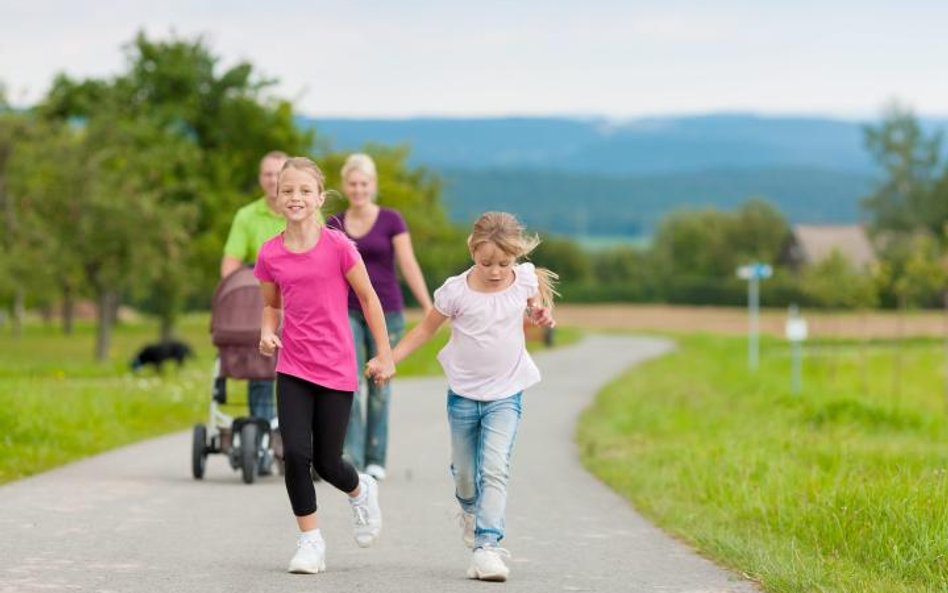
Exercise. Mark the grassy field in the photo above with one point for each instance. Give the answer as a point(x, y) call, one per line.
point(57, 405)
point(841, 488)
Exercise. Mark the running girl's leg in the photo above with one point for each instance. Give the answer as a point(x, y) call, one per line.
point(296, 408)
point(329, 422)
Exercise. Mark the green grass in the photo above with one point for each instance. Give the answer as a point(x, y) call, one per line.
point(58, 405)
point(842, 488)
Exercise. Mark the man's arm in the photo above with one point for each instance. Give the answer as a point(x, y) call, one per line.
point(236, 246)
point(229, 264)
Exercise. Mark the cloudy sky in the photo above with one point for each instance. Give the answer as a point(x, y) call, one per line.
point(626, 58)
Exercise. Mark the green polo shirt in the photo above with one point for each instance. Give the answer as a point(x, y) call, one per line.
point(253, 225)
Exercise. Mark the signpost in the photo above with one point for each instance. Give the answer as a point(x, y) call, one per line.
point(796, 332)
point(754, 273)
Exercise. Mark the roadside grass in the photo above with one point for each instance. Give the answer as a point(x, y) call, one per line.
point(58, 405)
point(842, 488)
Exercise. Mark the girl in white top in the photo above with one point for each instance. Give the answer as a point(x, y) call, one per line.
point(488, 367)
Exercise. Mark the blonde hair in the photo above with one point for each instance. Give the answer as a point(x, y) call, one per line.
point(301, 163)
point(361, 162)
point(505, 232)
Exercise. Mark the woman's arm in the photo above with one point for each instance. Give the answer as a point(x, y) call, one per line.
point(358, 279)
point(272, 315)
point(411, 271)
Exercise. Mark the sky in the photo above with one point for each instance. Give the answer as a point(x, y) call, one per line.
point(617, 59)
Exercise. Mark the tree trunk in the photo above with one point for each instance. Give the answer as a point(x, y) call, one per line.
point(69, 310)
point(19, 310)
point(47, 312)
point(115, 303)
point(167, 328)
point(106, 316)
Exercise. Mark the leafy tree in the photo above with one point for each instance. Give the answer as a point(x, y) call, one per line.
point(695, 243)
point(44, 262)
point(909, 197)
point(712, 243)
point(834, 283)
point(758, 231)
point(222, 122)
point(921, 279)
point(120, 221)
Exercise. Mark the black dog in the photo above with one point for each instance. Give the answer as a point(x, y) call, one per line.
point(157, 354)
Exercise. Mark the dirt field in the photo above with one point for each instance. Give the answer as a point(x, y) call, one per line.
point(735, 321)
point(728, 320)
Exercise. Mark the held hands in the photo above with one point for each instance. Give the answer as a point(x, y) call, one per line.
point(269, 342)
point(380, 370)
point(542, 316)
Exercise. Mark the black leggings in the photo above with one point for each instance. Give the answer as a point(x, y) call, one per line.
point(313, 421)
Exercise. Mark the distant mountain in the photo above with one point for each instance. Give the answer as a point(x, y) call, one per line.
point(599, 176)
point(588, 204)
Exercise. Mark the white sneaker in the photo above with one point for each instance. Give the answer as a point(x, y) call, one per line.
point(376, 471)
point(487, 564)
point(467, 522)
point(366, 513)
point(310, 557)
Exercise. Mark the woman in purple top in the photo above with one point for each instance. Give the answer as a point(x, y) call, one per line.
point(383, 240)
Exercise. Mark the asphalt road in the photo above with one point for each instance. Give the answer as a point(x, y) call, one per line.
point(134, 520)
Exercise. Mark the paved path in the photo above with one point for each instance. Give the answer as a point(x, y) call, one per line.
point(134, 520)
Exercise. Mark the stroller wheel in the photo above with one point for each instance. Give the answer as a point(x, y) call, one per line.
point(249, 443)
point(199, 451)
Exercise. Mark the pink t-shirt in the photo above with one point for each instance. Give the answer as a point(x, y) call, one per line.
point(486, 358)
point(317, 341)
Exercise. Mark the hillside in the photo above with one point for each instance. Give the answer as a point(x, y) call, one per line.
point(600, 177)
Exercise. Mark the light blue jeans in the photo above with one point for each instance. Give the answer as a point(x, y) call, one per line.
point(260, 399)
point(482, 440)
point(367, 435)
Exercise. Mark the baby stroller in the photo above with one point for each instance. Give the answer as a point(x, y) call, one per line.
point(235, 331)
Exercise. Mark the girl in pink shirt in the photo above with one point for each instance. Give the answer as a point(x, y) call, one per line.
point(305, 274)
point(488, 367)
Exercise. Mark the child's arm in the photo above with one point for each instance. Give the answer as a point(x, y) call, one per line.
point(358, 279)
point(419, 335)
point(538, 314)
point(272, 312)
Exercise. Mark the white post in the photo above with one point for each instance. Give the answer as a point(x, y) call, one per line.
point(796, 332)
point(754, 273)
point(753, 340)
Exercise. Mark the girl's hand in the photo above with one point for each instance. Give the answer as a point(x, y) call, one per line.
point(380, 370)
point(269, 342)
point(542, 316)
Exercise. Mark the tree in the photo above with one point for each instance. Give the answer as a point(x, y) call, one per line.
point(712, 243)
point(834, 283)
point(25, 244)
point(42, 257)
point(219, 118)
point(909, 197)
point(119, 222)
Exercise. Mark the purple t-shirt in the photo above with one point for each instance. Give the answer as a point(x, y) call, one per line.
point(317, 341)
point(378, 253)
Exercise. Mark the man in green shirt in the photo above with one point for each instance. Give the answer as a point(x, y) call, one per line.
point(253, 225)
point(257, 221)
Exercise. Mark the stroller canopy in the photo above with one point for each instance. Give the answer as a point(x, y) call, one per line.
point(236, 309)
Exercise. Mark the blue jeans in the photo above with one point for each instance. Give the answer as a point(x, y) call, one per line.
point(367, 435)
point(260, 399)
point(482, 440)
